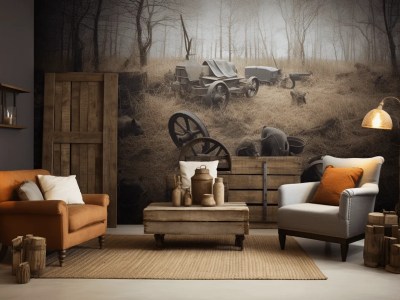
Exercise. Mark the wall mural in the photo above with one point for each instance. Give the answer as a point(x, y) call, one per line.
point(307, 70)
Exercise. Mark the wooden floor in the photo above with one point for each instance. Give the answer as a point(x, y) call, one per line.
point(346, 280)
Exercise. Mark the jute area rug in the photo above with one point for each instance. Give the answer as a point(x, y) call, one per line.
point(185, 257)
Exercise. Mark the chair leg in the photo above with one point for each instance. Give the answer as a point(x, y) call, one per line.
point(3, 251)
point(282, 239)
point(101, 241)
point(61, 256)
point(344, 248)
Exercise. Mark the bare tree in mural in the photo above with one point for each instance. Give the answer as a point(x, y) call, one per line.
point(304, 14)
point(149, 14)
point(96, 60)
point(391, 13)
point(188, 41)
point(285, 9)
point(231, 20)
point(78, 13)
point(220, 28)
point(341, 39)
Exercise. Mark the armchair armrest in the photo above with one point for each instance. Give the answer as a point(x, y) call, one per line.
point(96, 199)
point(359, 200)
point(42, 207)
point(294, 193)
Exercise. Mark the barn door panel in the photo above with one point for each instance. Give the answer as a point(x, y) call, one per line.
point(80, 131)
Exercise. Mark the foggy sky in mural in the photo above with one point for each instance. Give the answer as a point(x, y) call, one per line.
point(74, 31)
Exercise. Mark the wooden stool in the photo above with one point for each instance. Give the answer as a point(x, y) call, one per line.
point(373, 245)
point(30, 249)
point(23, 273)
point(394, 265)
point(35, 254)
point(17, 253)
point(382, 241)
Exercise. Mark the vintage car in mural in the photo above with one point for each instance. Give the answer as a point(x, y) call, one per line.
point(271, 76)
point(213, 81)
point(267, 75)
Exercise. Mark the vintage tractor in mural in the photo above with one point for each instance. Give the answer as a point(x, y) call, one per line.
point(213, 82)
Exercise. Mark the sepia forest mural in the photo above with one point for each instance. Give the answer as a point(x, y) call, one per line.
point(347, 49)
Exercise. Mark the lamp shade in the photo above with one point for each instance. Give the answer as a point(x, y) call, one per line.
point(378, 119)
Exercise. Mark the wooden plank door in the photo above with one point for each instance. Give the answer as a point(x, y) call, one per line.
point(80, 131)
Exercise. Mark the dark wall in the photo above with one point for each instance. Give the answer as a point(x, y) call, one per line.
point(16, 68)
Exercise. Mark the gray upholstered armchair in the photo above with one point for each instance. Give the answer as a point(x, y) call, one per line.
point(344, 223)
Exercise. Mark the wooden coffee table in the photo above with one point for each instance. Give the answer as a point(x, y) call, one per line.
point(162, 218)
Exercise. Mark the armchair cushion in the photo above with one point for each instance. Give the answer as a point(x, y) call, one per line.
point(333, 182)
point(29, 190)
point(83, 215)
point(61, 188)
point(315, 218)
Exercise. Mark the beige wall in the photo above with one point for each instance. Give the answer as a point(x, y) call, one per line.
point(16, 68)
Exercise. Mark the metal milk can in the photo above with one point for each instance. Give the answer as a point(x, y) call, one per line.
point(202, 183)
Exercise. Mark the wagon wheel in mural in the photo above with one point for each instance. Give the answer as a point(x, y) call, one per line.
point(206, 149)
point(184, 126)
point(252, 87)
point(218, 95)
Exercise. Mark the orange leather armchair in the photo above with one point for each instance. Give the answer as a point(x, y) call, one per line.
point(62, 225)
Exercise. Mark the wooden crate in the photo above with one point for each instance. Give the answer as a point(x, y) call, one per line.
point(255, 181)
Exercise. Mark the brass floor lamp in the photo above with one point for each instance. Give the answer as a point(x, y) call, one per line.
point(379, 119)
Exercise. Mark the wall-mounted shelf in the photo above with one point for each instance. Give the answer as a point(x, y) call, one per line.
point(12, 88)
point(5, 106)
point(11, 126)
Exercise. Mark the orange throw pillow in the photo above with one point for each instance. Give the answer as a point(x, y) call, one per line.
point(333, 182)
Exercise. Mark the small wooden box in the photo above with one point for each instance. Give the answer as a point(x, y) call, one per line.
point(255, 181)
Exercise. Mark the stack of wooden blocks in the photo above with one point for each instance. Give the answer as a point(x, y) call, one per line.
point(29, 257)
point(382, 241)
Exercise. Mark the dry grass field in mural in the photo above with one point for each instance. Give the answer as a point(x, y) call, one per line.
point(337, 98)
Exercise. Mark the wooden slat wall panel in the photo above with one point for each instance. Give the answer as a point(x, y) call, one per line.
point(92, 127)
point(75, 125)
point(83, 127)
point(80, 131)
point(110, 140)
point(56, 127)
point(65, 127)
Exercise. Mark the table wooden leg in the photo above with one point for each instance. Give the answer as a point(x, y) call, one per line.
point(159, 239)
point(239, 241)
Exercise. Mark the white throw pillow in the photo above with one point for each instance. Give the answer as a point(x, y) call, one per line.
point(187, 169)
point(61, 188)
point(29, 190)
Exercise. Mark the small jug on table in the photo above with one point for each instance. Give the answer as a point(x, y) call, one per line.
point(176, 196)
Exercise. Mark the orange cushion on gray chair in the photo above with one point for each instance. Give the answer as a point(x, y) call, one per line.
point(333, 182)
